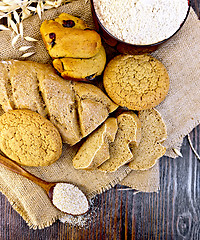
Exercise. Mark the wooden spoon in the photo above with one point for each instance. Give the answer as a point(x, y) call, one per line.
point(49, 187)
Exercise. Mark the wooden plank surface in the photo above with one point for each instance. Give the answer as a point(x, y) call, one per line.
point(173, 213)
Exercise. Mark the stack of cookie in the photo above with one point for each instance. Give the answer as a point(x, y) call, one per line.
point(77, 51)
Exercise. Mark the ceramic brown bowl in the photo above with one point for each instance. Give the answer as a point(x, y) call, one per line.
point(127, 48)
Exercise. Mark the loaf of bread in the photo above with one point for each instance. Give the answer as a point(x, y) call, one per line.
point(81, 68)
point(66, 41)
point(129, 132)
point(29, 139)
point(68, 105)
point(95, 150)
point(150, 149)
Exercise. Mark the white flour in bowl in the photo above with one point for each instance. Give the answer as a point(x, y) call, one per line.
point(141, 22)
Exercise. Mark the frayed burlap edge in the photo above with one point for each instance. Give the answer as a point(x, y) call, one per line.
point(16, 204)
point(110, 185)
point(170, 152)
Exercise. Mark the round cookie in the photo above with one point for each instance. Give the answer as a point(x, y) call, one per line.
point(29, 139)
point(137, 82)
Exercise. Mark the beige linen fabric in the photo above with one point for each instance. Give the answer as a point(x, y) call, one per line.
point(182, 103)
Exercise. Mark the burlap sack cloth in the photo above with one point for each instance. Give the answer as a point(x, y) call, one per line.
point(180, 110)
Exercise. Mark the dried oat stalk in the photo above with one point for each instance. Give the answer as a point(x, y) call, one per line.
point(16, 11)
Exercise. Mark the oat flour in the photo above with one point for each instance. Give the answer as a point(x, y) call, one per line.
point(141, 21)
point(70, 199)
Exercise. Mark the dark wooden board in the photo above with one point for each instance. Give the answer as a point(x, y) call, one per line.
point(173, 213)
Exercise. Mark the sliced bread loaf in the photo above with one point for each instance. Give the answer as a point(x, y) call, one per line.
point(95, 150)
point(150, 149)
point(128, 133)
point(76, 109)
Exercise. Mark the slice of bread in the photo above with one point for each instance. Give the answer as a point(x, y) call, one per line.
point(128, 133)
point(24, 81)
point(86, 90)
point(93, 106)
point(6, 96)
point(150, 149)
point(91, 113)
point(59, 97)
point(95, 150)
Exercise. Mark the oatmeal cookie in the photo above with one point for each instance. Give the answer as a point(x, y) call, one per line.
point(137, 82)
point(29, 139)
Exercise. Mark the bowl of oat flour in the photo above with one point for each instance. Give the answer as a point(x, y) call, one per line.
point(138, 26)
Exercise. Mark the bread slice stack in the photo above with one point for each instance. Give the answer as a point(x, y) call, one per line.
point(129, 132)
point(95, 150)
point(115, 152)
point(75, 108)
point(137, 141)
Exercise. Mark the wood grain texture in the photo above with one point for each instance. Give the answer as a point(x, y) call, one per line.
point(173, 213)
